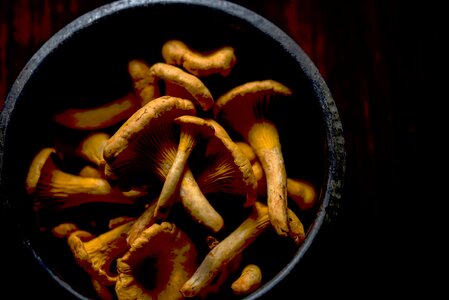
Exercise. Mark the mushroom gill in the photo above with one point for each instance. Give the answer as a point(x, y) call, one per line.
point(162, 254)
point(97, 255)
point(192, 128)
point(225, 168)
point(53, 189)
point(147, 144)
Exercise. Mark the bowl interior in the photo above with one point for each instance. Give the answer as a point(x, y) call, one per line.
point(85, 65)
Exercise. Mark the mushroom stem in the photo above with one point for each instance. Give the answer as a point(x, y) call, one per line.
point(227, 249)
point(197, 205)
point(192, 128)
point(265, 140)
point(145, 220)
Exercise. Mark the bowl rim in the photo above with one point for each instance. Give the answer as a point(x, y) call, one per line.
point(334, 137)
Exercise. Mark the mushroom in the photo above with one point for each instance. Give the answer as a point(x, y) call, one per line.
point(91, 147)
point(226, 250)
point(146, 144)
point(97, 255)
point(216, 286)
point(178, 83)
point(90, 171)
point(300, 191)
point(226, 169)
point(157, 264)
point(51, 188)
point(249, 280)
point(98, 117)
point(218, 61)
point(237, 241)
point(143, 86)
point(192, 128)
point(244, 108)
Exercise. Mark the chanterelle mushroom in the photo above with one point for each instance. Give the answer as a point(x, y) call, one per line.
point(98, 117)
point(96, 256)
point(300, 191)
point(147, 144)
point(244, 109)
point(91, 147)
point(218, 61)
point(163, 253)
point(226, 169)
point(191, 129)
point(226, 250)
point(178, 83)
point(53, 189)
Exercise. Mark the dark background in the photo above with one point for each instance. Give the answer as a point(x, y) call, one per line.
point(382, 62)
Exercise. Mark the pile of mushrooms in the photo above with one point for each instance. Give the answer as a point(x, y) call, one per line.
point(204, 179)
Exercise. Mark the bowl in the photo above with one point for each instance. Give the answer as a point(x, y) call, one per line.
point(84, 65)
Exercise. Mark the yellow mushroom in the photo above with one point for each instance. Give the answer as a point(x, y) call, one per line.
point(145, 147)
point(177, 83)
point(97, 255)
point(192, 128)
point(54, 189)
point(157, 264)
point(217, 61)
point(225, 168)
point(90, 171)
point(237, 241)
point(244, 108)
point(91, 147)
point(98, 117)
point(226, 250)
point(143, 85)
point(249, 280)
point(300, 191)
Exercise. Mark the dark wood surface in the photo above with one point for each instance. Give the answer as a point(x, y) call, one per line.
point(380, 60)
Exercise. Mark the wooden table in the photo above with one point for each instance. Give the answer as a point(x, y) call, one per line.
point(377, 58)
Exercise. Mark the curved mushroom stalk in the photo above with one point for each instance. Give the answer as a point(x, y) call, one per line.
point(226, 169)
point(226, 250)
point(244, 108)
point(147, 144)
point(217, 285)
point(197, 205)
point(98, 117)
point(178, 83)
point(232, 246)
point(91, 147)
point(97, 255)
point(300, 191)
point(191, 129)
point(144, 147)
point(163, 253)
point(218, 61)
point(53, 189)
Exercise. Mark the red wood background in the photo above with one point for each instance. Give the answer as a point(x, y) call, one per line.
point(379, 59)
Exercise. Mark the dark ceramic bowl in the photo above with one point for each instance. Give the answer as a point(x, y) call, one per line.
point(84, 65)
